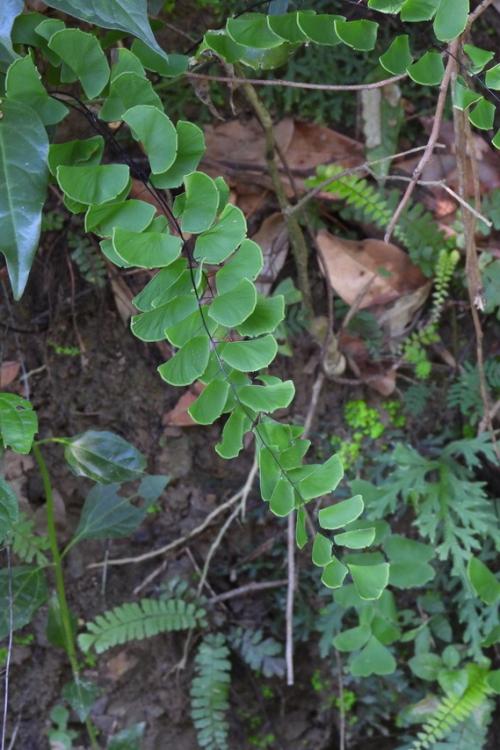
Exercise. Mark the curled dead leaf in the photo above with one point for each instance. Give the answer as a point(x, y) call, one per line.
point(273, 240)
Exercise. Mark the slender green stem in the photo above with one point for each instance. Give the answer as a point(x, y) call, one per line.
point(59, 576)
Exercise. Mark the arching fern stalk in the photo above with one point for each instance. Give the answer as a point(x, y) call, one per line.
point(222, 329)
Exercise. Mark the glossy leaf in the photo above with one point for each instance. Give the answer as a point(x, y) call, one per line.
point(151, 325)
point(24, 149)
point(339, 515)
point(188, 364)
point(217, 244)
point(125, 91)
point(201, 201)
point(267, 398)
point(355, 539)
point(235, 306)
point(210, 403)
point(373, 659)
point(157, 134)
point(18, 423)
point(250, 356)
point(190, 149)
point(107, 515)
point(23, 84)
point(82, 53)
point(334, 574)
point(29, 592)
point(267, 315)
point(451, 19)
point(282, 500)
point(360, 35)
point(428, 70)
point(146, 249)
point(75, 153)
point(483, 581)
point(321, 551)
point(369, 580)
point(246, 263)
point(93, 184)
point(398, 57)
point(9, 510)
point(130, 16)
point(11, 9)
point(104, 457)
point(323, 479)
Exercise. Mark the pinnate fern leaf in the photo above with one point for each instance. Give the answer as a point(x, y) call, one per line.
point(210, 692)
point(262, 654)
point(138, 620)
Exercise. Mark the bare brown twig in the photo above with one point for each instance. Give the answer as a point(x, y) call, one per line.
point(296, 84)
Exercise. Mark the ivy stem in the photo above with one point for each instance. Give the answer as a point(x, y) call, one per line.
point(297, 239)
point(60, 587)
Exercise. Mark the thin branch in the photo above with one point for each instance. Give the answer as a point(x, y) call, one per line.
point(248, 588)
point(340, 683)
point(429, 149)
point(456, 196)
point(194, 532)
point(297, 84)
point(478, 12)
point(290, 596)
point(365, 167)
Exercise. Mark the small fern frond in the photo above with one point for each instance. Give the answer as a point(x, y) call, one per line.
point(263, 655)
point(27, 545)
point(454, 710)
point(210, 693)
point(88, 259)
point(465, 394)
point(138, 620)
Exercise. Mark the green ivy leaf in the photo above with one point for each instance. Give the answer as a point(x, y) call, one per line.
point(210, 403)
point(217, 244)
point(107, 515)
point(103, 457)
point(235, 306)
point(146, 249)
point(360, 35)
point(9, 510)
point(201, 201)
point(339, 515)
point(428, 70)
point(18, 423)
point(451, 19)
point(483, 581)
point(82, 54)
point(93, 184)
point(398, 57)
point(130, 16)
point(157, 134)
point(369, 580)
point(24, 150)
point(321, 551)
point(373, 659)
point(334, 574)
point(190, 149)
point(250, 356)
point(188, 364)
point(355, 539)
point(29, 592)
point(282, 500)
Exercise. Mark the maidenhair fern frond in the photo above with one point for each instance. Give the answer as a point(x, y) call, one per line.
point(210, 693)
point(138, 620)
point(453, 710)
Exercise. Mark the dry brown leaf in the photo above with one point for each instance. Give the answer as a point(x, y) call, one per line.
point(178, 416)
point(273, 240)
point(9, 370)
